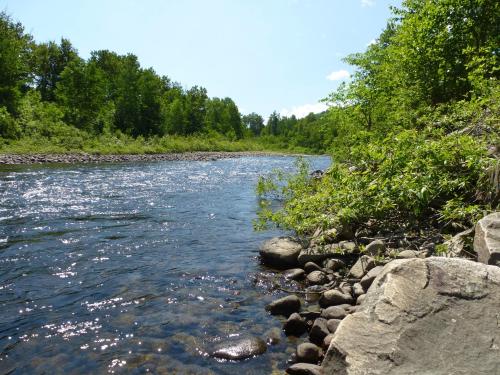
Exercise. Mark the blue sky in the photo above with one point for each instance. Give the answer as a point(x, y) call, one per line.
point(266, 55)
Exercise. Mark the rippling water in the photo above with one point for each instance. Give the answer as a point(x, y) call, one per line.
point(132, 268)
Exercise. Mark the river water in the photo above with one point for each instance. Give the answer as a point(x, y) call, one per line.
point(133, 268)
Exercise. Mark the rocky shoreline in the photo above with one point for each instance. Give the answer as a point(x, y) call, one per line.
point(17, 159)
point(382, 309)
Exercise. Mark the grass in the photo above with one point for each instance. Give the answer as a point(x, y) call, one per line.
point(123, 144)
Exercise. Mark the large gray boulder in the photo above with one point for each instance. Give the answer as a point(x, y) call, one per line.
point(423, 316)
point(280, 252)
point(487, 239)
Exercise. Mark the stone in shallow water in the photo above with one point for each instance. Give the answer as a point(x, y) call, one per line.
point(294, 274)
point(239, 348)
point(280, 252)
point(284, 306)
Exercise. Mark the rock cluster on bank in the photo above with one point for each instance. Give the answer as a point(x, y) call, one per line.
point(381, 310)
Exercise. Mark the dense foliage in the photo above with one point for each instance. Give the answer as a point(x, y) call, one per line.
point(53, 100)
point(416, 132)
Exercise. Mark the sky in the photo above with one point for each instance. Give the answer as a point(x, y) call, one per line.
point(266, 55)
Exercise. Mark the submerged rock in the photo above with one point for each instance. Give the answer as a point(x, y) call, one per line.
point(284, 306)
point(280, 252)
point(487, 239)
point(239, 349)
point(423, 316)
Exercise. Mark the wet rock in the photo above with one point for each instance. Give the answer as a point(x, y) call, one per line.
point(284, 306)
point(311, 312)
point(335, 297)
point(294, 274)
point(333, 324)
point(358, 289)
point(487, 239)
point(334, 312)
point(367, 280)
point(280, 252)
point(273, 336)
point(311, 266)
point(376, 247)
point(419, 312)
point(362, 266)
point(304, 369)
point(333, 264)
point(308, 353)
point(318, 331)
point(239, 348)
point(295, 325)
point(317, 278)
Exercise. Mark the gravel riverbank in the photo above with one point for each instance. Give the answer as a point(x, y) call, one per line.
point(14, 159)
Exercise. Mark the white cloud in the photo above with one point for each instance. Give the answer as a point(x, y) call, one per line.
point(338, 75)
point(303, 110)
point(367, 3)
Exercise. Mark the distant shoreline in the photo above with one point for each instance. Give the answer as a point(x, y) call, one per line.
point(20, 159)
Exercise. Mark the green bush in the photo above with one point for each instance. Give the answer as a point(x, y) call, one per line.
point(406, 178)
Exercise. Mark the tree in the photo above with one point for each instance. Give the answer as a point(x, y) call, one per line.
point(254, 122)
point(15, 49)
point(49, 61)
point(81, 92)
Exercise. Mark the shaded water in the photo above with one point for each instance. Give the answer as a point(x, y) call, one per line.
point(132, 268)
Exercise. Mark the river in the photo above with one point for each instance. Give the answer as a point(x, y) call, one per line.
point(133, 267)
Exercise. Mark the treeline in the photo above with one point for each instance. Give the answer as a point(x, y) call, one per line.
point(47, 90)
point(415, 131)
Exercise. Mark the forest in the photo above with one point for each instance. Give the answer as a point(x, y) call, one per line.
point(52, 100)
point(415, 134)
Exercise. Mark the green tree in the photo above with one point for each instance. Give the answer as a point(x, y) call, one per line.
point(81, 92)
point(49, 61)
point(254, 122)
point(15, 49)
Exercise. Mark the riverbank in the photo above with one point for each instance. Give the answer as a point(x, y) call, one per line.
point(371, 304)
point(16, 159)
